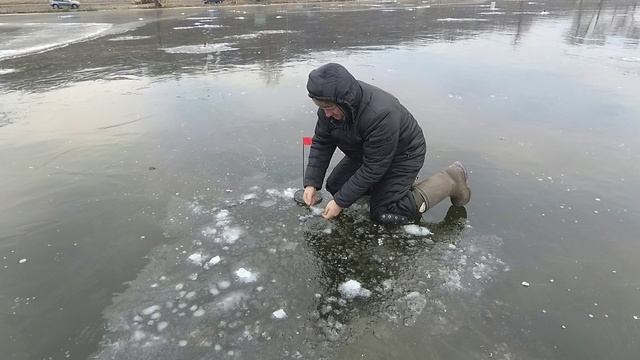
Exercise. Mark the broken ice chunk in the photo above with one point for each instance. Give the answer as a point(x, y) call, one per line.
point(245, 275)
point(249, 197)
point(279, 314)
point(213, 261)
point(196, 258)
point(351, 289)
point(416, 230)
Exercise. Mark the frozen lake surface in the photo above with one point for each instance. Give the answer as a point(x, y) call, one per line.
point(149, 160)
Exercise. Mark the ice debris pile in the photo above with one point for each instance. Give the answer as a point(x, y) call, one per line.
point(241, 271)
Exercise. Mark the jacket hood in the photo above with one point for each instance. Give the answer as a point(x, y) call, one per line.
point(332, 82)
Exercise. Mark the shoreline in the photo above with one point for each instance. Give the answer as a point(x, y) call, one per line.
point(19, 7)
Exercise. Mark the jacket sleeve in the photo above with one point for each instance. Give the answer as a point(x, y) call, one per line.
point(379, 149)
point(322, 149)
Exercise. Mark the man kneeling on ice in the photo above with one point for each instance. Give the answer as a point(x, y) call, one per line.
point(384, 148)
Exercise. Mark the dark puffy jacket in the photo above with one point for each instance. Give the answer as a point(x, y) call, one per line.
point(377, 131)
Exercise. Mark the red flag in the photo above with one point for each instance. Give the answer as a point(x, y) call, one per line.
point(306, 141)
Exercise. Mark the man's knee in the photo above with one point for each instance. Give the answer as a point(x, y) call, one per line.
point(387, 218)
point(395, 211)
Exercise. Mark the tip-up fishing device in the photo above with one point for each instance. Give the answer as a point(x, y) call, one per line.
point(298, 195)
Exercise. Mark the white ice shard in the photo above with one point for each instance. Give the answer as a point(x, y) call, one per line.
point(279, 314)
point(352, 288)
point(196, 258)
point(245, 275)
point(416, 230)
point(212, 262)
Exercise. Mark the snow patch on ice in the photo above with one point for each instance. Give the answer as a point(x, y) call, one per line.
point(230, 301)
point(151, 309)
point(209, 231)
point(286, 193)
point(415, 303)
point(200, 49)
point(197, 26)
point(130, 38)
point(222, 217)
point(138, 335)
point(267, 203)
point(162, 325)
point(231, 234)
point(460, 19)
point(452, 279)
point(480, 270)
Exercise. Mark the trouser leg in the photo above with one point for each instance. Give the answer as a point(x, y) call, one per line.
point(392, 201)
point(341, 174)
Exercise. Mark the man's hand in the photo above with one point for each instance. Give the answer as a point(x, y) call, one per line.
point(309, 195)
point(332, 210)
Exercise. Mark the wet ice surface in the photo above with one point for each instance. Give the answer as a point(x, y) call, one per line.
point(289, 268)
point(531, 103)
